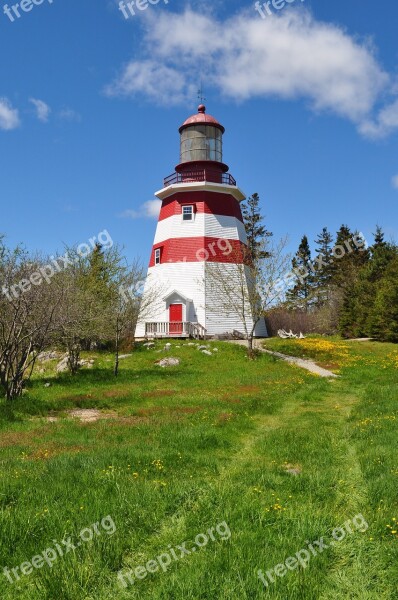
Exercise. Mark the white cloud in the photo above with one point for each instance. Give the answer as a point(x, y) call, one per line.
point(9, 116)
point(385, 123)
point(149, 209)
point(42, 109)
point(68, 114)
point(148, 77)
point(394, 182)
point(289, 56)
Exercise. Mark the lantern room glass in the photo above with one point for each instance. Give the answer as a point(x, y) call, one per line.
point(201, 142)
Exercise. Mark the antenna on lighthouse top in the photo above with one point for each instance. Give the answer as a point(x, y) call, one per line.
point(201, 97)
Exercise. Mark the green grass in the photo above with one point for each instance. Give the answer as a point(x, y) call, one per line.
point(186, 448)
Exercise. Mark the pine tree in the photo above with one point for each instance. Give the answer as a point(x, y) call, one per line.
point(383, 321)
point(255, 231)
point(379, 238)
point(357, 316)
point(300, 296)
point(348, 258)
point(323, 266)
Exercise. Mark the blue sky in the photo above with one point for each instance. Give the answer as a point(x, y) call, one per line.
point(91, 102)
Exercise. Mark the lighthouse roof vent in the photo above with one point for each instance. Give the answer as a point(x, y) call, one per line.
point(201, 118)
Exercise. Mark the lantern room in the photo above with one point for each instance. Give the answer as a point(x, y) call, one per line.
point(201, 138)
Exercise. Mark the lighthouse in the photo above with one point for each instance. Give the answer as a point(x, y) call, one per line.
point(200, 226)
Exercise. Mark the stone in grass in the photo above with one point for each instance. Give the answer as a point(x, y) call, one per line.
point(149, 345)
point(293, 470)
point(63, 365)
point(168, 362)
point(207, 353)
point(49, 355)
point(47, 385)
point(86, 363)
point(215, 349)
point(202, 347)
point(167, 347)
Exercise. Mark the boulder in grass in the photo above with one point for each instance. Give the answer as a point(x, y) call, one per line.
point(168, 362)
point(48, 355)
point(203, 348)
point(62, 366)
point(207, 352)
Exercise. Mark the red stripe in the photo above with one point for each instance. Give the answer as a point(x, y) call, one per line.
point(206, 202)
point(199, 249)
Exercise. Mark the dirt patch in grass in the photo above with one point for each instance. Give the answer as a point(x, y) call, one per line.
point(227, 398)
point(185, 410)
point(100, 394)
point(331, 366)
point(155, 410)
point(116, 393)
point(224, 417)
point(20, 438)
point(249, 388)
point(90, 415)
point(53, 449)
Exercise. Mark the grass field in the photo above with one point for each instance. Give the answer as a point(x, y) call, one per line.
point(266, 456)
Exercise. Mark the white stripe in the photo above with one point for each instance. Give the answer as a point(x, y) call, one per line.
point(204, 225)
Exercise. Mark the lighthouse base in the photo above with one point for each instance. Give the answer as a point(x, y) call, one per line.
point(183, 304)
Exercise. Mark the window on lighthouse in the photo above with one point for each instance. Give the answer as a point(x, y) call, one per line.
point(157, 256)
point(187, 213)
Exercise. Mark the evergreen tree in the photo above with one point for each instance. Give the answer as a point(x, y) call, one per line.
point(383, 321)
point(379, 238)
point(300, 296)
point(255, 230)
point(323, 264)
point(348, 258)
point(357, 316)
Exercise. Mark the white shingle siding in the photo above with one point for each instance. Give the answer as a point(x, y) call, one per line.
point(203, 225)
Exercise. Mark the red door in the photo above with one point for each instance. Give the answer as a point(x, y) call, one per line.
point(175, 318)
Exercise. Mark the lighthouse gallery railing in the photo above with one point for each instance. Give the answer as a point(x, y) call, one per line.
point(200, 175)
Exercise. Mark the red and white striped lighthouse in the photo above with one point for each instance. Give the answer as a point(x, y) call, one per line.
point(200, 223)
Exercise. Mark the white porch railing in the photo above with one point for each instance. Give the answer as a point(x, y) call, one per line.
point(175, 329)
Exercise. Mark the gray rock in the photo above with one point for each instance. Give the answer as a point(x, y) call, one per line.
point(47, 385)
point(207, 353)
point(167, 347)
point(168, 362)
point(63, 365)
point(222, 336)
point(202, 347)
point(48, 355)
